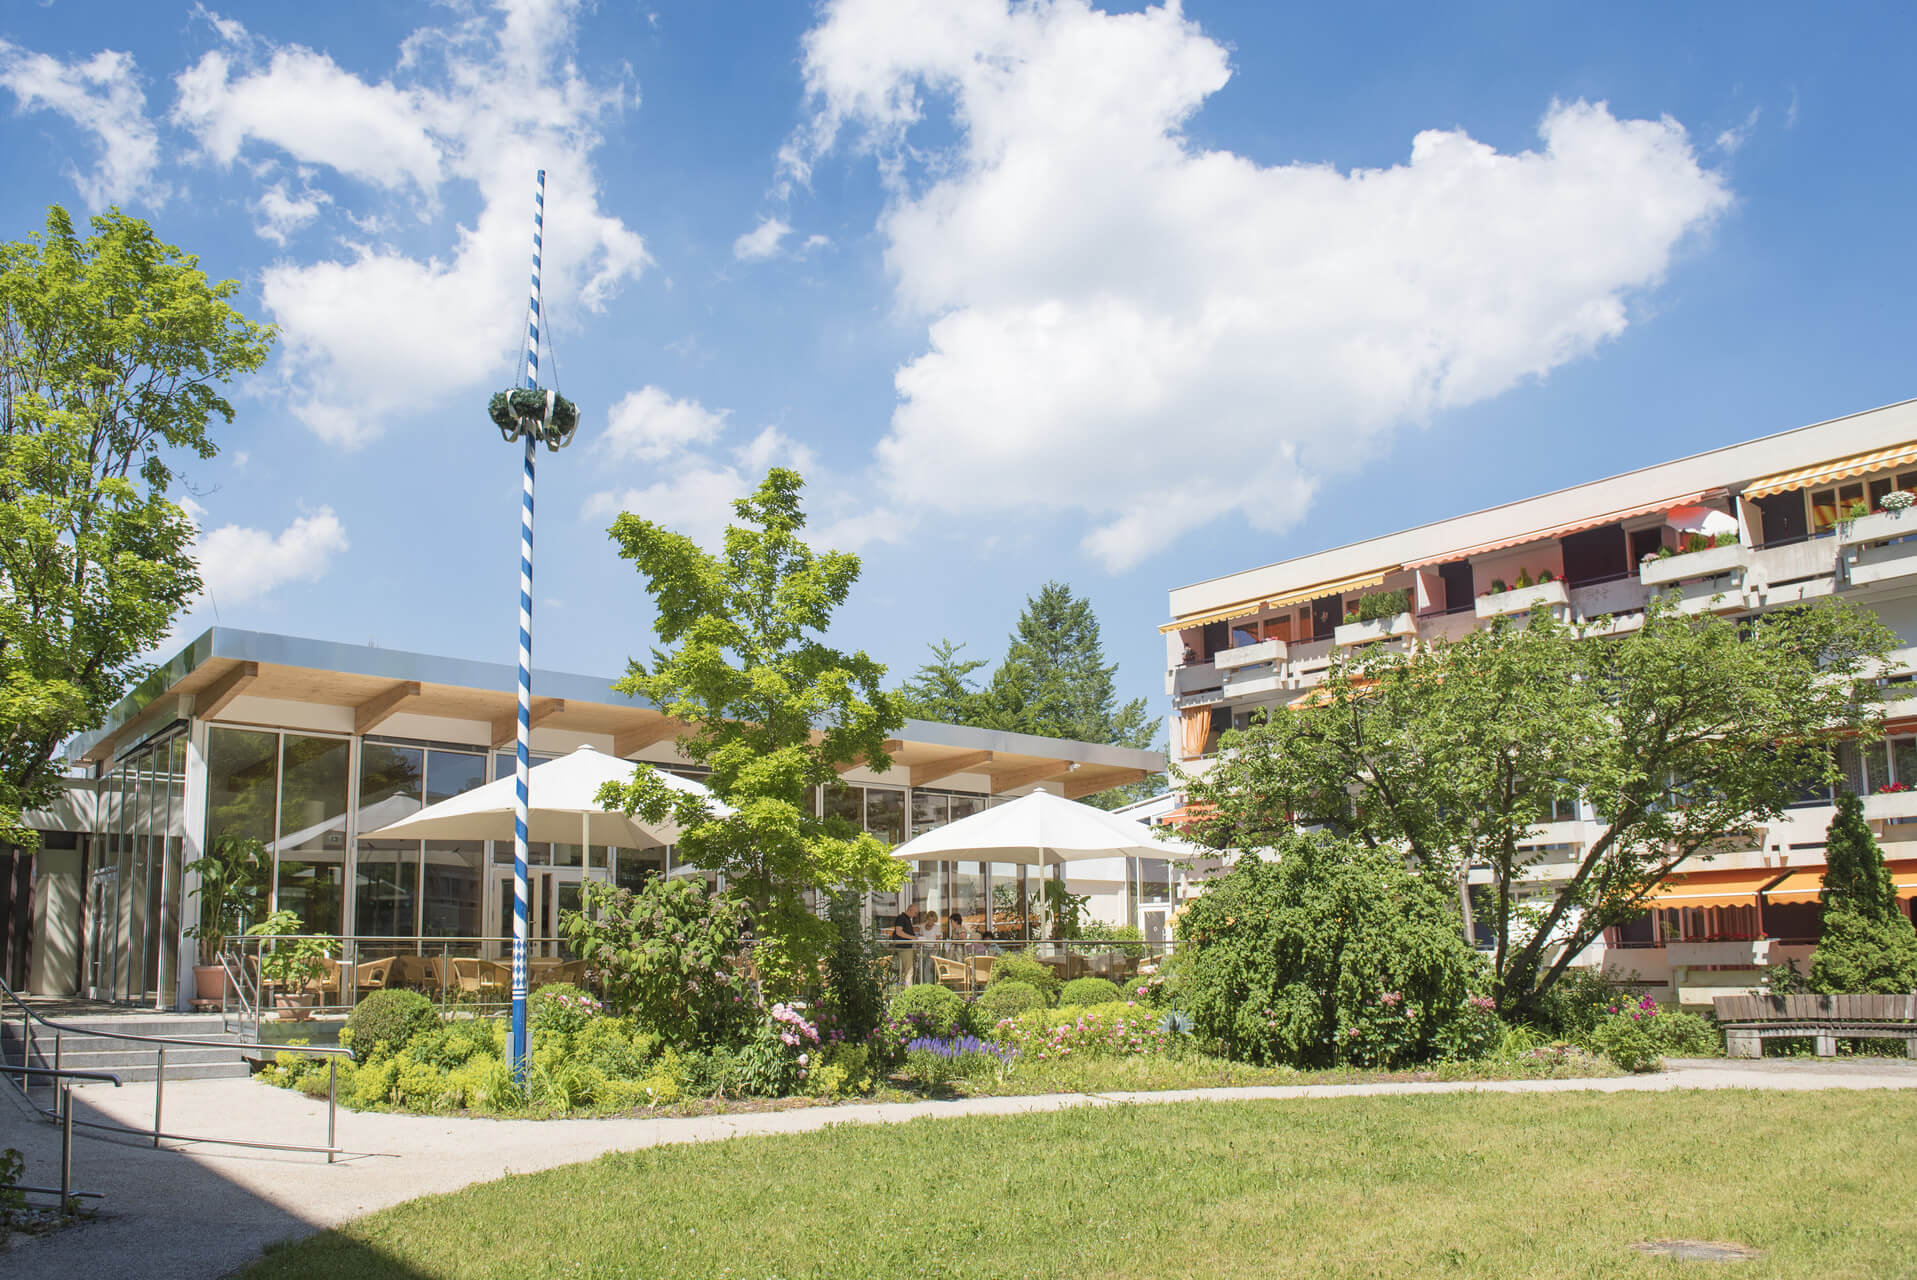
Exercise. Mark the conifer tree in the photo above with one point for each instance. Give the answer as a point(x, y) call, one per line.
point(943, 689)
point(1867, 946)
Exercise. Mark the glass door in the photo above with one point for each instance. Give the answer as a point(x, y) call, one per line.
point(99, 936)
point(549, 891)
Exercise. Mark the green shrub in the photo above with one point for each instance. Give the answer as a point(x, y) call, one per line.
point(1131, 934)
point(1102, 1030)
point(560, 1008)
point(928, 1010)
point(1630, 1037)
point(844, 1070)
point(1573, 1005)
point(385, 1020)
point(1688, 1035)
point(1867, 945)
point(1383, 604)
point(1090, 991)
point(712, 1073)
point(1002, 1000)
point(667, 955)
point(1019, 967)
point(453, 1043)
point(852, 1003)
point(1333, 953)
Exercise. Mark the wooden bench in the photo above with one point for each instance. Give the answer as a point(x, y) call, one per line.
point(1748, 1021)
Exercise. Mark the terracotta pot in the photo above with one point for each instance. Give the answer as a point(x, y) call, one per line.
point(293, 1006)
point(209, 981)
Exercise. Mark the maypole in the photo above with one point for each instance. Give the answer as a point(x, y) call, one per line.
point(533, 415)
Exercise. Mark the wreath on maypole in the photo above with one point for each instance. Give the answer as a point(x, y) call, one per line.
point(533, 411)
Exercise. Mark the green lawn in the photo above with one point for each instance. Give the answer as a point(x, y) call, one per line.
point(1454, 1185)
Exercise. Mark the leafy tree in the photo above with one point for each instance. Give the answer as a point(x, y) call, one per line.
point(943, 689)
point(1331, 953)
point(1867, 944)
point(1683, 735)
point(113, 353)
point(773, 712)
point(667, 954)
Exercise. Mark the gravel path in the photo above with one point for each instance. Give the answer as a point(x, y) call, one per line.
point(205, 1211)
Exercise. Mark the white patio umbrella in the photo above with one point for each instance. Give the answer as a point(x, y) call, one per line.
point(1706, 522)
point(1043, 830)
point(561, 807)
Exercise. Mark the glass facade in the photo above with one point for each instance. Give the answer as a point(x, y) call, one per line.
point(315, 803)
point(138, 843)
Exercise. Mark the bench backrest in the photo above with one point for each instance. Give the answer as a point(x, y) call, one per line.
point(1815, 1008)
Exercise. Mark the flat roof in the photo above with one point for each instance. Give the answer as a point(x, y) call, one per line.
point(1727, 467)
point(224, 665)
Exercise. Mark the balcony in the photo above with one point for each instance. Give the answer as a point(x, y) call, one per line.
point(1711, 562)
point(1880, 547)
point(1890, 804)
point(1262, 677)
point(1248, 654)
point(1194, 677)
point(1500, 604)
point(1791, 572)
point(1739, 953)
point(1722, 594)
point(1311, 656)
point(1602, 599)
point(1397, 626)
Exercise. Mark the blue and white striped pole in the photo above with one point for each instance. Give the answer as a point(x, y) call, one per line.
point(520, 1049)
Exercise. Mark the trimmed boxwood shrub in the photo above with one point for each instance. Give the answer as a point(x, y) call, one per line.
point(1003, 1000)
point(1019, 967)
point(385, 1020)
point(1090, 991)
point(928, 1009)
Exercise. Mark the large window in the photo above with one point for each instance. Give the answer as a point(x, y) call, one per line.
point(311, 850)
point(452, 886)
point(386, 889)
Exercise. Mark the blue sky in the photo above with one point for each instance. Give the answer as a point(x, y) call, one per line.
point(1127, 297)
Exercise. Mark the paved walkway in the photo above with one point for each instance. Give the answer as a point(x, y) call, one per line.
point(206, 1211)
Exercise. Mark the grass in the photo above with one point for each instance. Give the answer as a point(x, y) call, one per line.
point(1527, 1185)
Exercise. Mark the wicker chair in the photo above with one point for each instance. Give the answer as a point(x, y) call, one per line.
point(956, 974)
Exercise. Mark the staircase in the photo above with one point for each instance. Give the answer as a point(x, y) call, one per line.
point(82, 1048)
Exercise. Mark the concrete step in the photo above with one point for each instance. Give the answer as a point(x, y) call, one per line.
point(116, 1058)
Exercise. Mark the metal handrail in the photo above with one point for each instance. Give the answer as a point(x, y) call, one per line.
point(68, 1196)
point(30, 1016)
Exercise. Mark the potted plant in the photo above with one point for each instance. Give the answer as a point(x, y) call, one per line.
point(290, 963)
point(231, 874)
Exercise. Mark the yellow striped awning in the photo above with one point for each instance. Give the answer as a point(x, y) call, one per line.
point(1245, 608)
point(1824, 472)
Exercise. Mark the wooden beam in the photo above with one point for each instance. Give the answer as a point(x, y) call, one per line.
point(1025, 777)
point(922, 774)
point(631, 740)
point(212, 700)
point(371, 713)
point(1078, 788)
point(889, 746)
point(506, 727)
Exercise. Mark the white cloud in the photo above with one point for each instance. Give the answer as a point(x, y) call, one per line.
point(1158, 335)
point(101, 96)
point(1731, 140)
point(648, 425)
point(239, 564)
point(762, 241)
point(281, 213)
point(480, 102)
point(697, 495)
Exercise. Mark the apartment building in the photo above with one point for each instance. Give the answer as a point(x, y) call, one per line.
point(1767, 524)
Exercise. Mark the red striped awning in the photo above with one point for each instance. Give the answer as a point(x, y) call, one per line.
point(1575, 526)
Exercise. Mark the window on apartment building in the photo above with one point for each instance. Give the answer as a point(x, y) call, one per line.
point(1326, 614)
point(1217, 637)
point(1782, 515)
point(1828, 506)
point(1595, 555)
point(1645, 542)
point(1460, 592)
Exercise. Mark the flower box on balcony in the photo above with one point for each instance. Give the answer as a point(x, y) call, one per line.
point(1398, 624)
point(1246, 655)
point(1891, 804)
point(1878, 527)
point(1707, 563)
point(1501, 603)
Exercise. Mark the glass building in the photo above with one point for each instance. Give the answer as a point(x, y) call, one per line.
point(310, 748)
